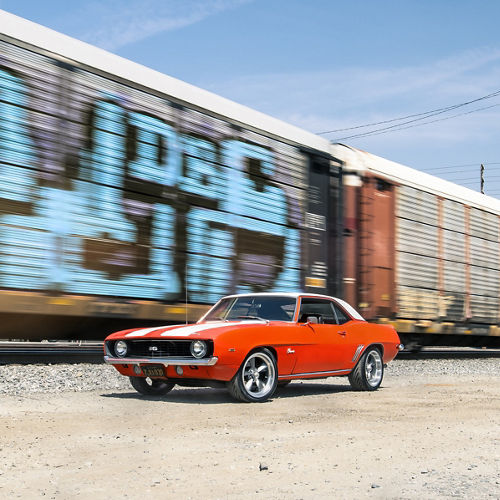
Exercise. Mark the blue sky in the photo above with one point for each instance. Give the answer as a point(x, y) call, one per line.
point(323, 65)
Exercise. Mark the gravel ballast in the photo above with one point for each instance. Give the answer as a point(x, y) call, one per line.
point(39, 378)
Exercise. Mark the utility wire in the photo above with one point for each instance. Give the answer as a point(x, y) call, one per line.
point(417, 116)
point(398, 127)
point(465, 165)
point(454, 167)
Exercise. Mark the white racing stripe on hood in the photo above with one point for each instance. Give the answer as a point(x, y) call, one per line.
point(185, 331)
point(145, 331)
point(189, 330)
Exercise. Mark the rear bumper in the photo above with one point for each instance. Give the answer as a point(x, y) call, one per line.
point(169, 361)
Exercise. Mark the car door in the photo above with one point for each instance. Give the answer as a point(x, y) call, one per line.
point(349, 347)
point(325, 345)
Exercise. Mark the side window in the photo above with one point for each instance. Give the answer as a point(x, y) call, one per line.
point(341, 315)
point(323, 308)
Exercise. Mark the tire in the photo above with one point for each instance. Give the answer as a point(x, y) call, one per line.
point(151, 386)
point(369, 372)
point(257, 378)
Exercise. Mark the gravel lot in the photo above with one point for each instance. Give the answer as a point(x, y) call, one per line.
point(431, 431)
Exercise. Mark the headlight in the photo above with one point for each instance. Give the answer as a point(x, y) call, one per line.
point(121, 348)
point(198, 348)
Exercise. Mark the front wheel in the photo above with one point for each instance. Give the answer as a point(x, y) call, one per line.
point(257, 378)
point(369, 372)
point(151, 386)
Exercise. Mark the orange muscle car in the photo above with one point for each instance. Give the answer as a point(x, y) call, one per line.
point(253, 343)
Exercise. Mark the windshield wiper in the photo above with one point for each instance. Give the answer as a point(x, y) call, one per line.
point(251, 317)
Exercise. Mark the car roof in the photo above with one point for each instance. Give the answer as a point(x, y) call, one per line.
point(293, 295)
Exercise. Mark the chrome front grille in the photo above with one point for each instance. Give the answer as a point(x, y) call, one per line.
point(159, 348)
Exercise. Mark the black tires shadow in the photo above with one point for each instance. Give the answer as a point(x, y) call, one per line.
point(204, 395)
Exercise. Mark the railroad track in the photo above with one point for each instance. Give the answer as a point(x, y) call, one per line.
point(450, 353)
point(50, 352)
point(91, 352)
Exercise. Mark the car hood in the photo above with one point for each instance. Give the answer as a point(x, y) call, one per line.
point(197, 330)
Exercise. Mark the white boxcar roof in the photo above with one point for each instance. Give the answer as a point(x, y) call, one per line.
point(359, 162)
point(92, 57)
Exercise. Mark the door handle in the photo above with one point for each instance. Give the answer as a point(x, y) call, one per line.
point(343, 333)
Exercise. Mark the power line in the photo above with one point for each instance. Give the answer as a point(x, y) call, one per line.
point(417, 116)
point(396, 128)
point(451, 167)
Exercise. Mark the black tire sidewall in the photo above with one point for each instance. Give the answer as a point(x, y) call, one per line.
point(238, 380)
point(141, 386)
point(357, 377)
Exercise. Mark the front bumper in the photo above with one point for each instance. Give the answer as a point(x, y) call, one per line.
point(169, 361)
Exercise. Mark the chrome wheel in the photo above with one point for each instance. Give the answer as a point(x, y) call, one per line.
point(256, 379)
point(373, 368)
point(258, 375)
point(367, 375)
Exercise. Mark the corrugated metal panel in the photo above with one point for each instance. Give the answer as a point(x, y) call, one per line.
point(417, 248)
point(453, 216)
point(484, 225)
point(452, 307)
point(454, 246)
point(417, 238)
point(417, 303)
point(484, 281)
point(452, 299)
point(417, 241)
point(417, 205)
point(454, 277)
point(484, 309)
point(417, 271)
point(484, 253)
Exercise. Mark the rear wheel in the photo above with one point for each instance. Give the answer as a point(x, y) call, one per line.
point(369, 372)
point(151, 386)
point(257, 378)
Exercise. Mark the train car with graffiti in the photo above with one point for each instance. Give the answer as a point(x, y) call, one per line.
point(420, 252)
point(128, 197)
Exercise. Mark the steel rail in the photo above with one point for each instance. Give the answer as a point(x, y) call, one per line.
point(50, 352)
point(72, 352)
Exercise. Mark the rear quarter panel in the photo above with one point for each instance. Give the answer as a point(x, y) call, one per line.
point(385, 336)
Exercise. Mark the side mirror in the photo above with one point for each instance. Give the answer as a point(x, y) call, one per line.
point(311, 319)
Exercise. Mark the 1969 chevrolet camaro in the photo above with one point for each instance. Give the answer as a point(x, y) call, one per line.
point(253, 343)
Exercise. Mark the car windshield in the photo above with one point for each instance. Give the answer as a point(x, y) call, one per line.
point(273, 308)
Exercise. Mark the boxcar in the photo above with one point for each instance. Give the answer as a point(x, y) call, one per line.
point(128, 197)
point(420, 252)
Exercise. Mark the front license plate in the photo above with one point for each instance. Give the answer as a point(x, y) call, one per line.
point(153, 371)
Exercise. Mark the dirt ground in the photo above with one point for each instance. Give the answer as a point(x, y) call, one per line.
point(434, 437)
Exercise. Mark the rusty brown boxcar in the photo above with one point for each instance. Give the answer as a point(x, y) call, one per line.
point(421, 252)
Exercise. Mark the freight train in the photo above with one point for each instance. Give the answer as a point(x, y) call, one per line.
point(420, 252)
point(130, 198)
